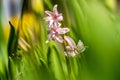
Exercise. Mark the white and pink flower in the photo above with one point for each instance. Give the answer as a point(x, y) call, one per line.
point(55, 32)
point(53, 17)
point(72, 49)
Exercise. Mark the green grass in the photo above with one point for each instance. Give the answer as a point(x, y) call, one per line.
point(90, 21)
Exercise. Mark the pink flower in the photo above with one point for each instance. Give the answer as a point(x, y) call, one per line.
point(53, 17)
point(72, 49)
point(55, 33)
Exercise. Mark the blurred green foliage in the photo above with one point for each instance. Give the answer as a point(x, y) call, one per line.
point(89, 20)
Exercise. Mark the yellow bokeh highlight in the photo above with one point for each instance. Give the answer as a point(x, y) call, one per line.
point(111, 4)
point(37, 6)
point(28, 22)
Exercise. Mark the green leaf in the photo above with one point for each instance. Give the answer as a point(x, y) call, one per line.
point(13, 40)
point(55, 64)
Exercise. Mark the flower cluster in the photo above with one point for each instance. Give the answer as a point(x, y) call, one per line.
point(72, 49)
point(55, 32)
point(54, 26)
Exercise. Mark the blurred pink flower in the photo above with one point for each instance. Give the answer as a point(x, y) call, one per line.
point(53, 17)
point(72, 49)
point(55, 32)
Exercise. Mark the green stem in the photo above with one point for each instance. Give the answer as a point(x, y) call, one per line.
point(69, 68)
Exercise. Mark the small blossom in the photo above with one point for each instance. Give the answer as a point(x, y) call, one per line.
point(72, 49)
point(53, 17)
point(55, 33)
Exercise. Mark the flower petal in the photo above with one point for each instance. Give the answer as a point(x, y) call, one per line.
point(47, 18)
point(70, 41)
point(50, 23)
point(57, 24)
point(59, 39)
point(47, 41)
point(49, 38)
point(68, 48)
point(80, 46)
point(49, 13)
point(60, 17)
point(55, 9)
point(62, 30)
point(65, 53)
point(71, 53)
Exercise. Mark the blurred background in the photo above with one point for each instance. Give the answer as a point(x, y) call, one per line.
point(24, 55)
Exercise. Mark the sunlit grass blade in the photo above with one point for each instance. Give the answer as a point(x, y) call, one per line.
point(55, 64)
